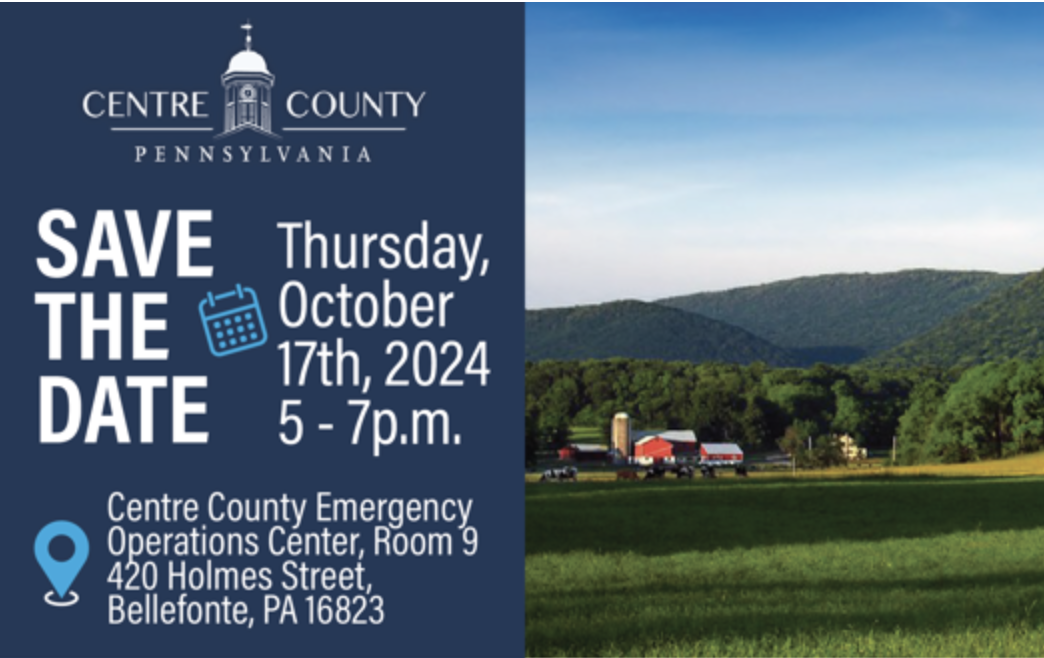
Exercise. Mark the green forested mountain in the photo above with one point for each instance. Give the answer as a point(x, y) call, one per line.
point(643, 331)
point(1010, 324)
point(842, 318)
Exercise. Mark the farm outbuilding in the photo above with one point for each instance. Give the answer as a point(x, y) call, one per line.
point(721, 454)
point(665, 446)
point(850, 449)
point(584, 452)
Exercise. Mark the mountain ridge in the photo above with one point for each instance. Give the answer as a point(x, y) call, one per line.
point(844, 318)
point(642, 330)
point(1008, 324)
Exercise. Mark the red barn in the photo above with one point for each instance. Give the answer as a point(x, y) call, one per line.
point(584, 452)
point(720, 454)
point(653, 448)
point(667, 446)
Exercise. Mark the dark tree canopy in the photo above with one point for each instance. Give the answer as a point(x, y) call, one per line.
point(988, 411)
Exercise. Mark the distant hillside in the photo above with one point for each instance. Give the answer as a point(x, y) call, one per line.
point(1010, 324)
point(643, 331)
point(841, 318)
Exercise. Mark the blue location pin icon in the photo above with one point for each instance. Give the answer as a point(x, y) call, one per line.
point(61, 574)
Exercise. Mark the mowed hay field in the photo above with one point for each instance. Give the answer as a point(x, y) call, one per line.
point(949, 562)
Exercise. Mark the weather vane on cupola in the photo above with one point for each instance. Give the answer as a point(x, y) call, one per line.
point(247, 26)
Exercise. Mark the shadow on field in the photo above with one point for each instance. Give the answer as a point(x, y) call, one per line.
point(639, 620)
point(673, 517)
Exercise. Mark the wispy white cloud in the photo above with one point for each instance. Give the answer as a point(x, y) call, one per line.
point(591, 242)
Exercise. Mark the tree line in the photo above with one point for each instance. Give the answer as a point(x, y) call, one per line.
point(956, 415)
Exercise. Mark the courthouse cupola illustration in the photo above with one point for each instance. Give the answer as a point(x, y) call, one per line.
point(248, 91)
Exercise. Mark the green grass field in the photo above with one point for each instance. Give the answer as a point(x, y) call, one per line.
point(916, 565)
point(586, 435)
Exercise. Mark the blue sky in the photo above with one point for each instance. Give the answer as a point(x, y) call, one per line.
point(679, 148)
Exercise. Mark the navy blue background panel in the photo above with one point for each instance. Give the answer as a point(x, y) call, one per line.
point(453, 167)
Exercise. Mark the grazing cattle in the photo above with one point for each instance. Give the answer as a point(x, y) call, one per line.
point(559, 474)
point(707, 471)
point(685, 472)
point(655, 473)
point(741, 471)
point(626, 474)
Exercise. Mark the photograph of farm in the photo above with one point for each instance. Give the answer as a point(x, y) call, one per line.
point(785, 330)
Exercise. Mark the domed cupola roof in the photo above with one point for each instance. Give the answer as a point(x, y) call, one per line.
point(247, 61)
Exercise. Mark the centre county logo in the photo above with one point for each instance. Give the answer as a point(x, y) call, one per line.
point(247, 102)
point(248, 92)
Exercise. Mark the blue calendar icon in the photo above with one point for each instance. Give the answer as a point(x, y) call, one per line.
point(235, 325)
